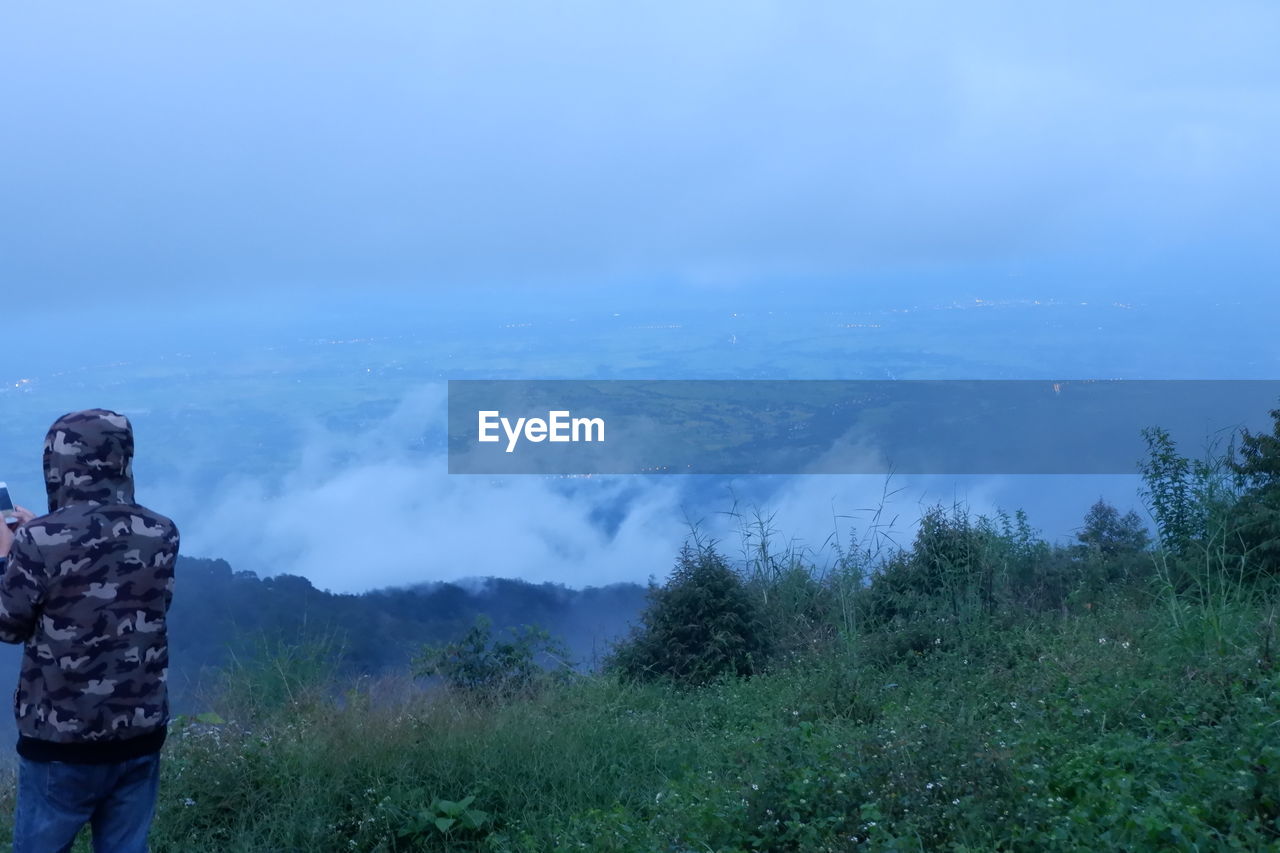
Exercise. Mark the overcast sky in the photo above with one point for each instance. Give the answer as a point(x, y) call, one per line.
point(301, 152)
point(239, 147)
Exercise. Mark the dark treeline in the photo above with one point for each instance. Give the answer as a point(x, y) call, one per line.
point(219, 612)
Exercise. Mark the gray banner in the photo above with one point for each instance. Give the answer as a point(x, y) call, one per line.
point(732, 427)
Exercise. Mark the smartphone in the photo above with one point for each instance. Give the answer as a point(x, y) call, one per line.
point(6, 505)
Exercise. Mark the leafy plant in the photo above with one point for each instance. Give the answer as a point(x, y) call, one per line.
point(1168, 487)
point(488, 668)
point(703, 624)
point(1256, 465)
point(449, 818)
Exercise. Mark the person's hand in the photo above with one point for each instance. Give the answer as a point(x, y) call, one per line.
point(6, 532)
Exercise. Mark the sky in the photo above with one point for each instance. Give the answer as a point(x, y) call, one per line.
point(236, 150)
point(231, 167)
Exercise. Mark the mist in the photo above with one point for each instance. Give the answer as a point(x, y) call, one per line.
point(239, 149)
point(214, 183)
point(366, 510)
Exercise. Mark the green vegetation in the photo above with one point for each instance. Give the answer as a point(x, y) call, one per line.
point(224, 618)
point(703, 624)
point(489, 669)
point(978, 690)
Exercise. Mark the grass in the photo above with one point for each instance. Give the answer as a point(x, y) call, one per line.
point(1112, 729)
point(1144, 715)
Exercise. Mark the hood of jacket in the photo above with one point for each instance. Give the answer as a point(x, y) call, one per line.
point(88, 458)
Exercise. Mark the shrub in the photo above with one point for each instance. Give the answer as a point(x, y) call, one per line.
point(949, 574)
point(1257, 471)
point(489, 669)
point(701, 625)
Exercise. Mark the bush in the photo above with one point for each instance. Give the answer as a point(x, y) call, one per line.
point(703, 624)
point(486, 668)
point(1257, 471)
point(950, 573)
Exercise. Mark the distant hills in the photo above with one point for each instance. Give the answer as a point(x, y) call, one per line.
point(218, 611)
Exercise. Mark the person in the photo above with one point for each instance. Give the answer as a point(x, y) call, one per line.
point(86, 589)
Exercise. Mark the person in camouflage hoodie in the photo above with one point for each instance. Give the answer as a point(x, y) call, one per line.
point(86, 589)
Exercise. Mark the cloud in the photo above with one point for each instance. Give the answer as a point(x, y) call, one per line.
point(365, 510)
point(447, 144)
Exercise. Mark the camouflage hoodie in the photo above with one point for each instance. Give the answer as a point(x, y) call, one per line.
point(86, 589)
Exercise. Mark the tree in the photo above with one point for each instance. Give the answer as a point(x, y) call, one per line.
point(1257, 460)
point(1107, 534)
point(1256, 465)
point(1168, 487)
point(702, 624)
point(1112, 548)
point(489, 669)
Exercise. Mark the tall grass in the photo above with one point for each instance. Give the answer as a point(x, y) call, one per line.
point(1097, 731)
point(1024, 702)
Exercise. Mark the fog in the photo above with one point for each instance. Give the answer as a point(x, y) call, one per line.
point(213, 179)
point(235, 149)
point(363, 510)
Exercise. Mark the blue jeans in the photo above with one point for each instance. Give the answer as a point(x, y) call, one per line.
point(55, 799)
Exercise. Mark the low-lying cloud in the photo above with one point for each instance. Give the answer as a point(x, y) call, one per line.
point(364, 510)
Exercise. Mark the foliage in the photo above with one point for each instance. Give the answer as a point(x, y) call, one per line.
point(1168, 486)
point(276, 675)
point(962, 572)
point(1111, 549)
point(452, 819)
point(1257, 469)
point(701, 625)
point(488, 668)
point(1219, 518)
point(208, 718)
point(1107, 534)
point(1193, 501)
point(991, 692)
point(219, 614)
point(794, 609)
point(1111, 729)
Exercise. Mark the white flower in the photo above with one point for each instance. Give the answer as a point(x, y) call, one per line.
point(1102, 641)
point(188, 802)
point(1125, 644)
point(955, 802)
point(1013, 705)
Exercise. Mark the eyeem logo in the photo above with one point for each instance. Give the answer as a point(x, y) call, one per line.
point(558, 426)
